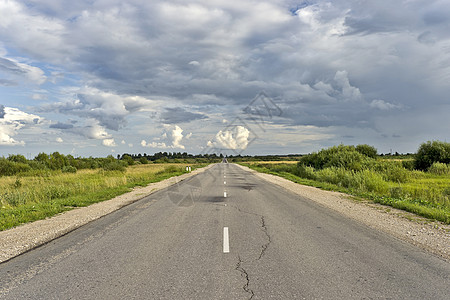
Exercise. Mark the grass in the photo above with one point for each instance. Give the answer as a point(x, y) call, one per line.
point(424, 193)
point(34, 197)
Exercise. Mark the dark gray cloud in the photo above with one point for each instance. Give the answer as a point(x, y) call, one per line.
point(60, 125)
point(6, 82)
point(179, 115)
point(10, 66)
point(2, 111)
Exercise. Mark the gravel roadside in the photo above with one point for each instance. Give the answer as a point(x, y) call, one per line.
point(431, 236)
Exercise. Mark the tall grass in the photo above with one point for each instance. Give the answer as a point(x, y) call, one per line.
point(383, 181)
point(29, 198)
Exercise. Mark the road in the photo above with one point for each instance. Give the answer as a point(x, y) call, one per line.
point(225, 234)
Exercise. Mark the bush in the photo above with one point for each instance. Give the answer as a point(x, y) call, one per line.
point(392, 171)
point(69, 169)
point(439, 168)
point(367, 150)
point(340, 157)
point(8, 168)
point(408, 164)
point(143, 160)
point(304, 171)
point(17, 158)
point(115, 166)
point(128, 159)
point(431, 152)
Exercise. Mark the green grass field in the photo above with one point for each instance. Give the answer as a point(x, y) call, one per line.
point(424, 193)
point(33, 197)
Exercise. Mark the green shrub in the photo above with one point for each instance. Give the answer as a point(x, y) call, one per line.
point(128, 159)
point(338, 156)
point(392, 171)
point(17, 158)
point(304, 171)
point(397, 174)
point(373, 182)
point(367, 150)
point(9, 168)
point(115, 166)
point(408, 164)
point(431, 152)
point(439, 168)
point(69, 169)
point(143, 160)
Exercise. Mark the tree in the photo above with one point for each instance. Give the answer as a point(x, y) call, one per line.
point(367, 150)
point(431, 152)
point(58, 161)
point(143, 160)
point(17, 158)
point(128, 159)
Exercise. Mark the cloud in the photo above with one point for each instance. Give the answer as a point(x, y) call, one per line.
point(39, 97)
point(128, 66)
point(110, 110)
point(383, 105)
point(7, 140)
point(95, 131)
point(59, 140)
point(154, 145)
point(60, 125)
point(177, 136)
point(12, 120)
point(21, 70)
point(172, 137)
point(109, 143)
point(7, 82)
point(179, 115)
point(236, 138)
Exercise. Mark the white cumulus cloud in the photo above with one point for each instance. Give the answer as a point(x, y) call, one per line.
point(12, 120)
point(236, 138)
point(170, 139)
point(383, 105)
point(177, 136)
point(109, 143)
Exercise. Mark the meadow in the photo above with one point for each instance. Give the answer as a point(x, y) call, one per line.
point(393, 182)
point(35, 195)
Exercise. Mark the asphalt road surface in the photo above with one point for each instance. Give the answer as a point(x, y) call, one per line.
point(225, 234)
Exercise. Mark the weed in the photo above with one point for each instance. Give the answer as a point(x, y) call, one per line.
point(35, 197)
point(382, 181)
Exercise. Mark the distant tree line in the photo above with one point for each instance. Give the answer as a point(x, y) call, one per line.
point(161, 157)
point(18, 164)
point(165, 157)
point(432, 154)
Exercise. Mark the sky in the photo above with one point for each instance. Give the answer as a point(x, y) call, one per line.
point(101, 77)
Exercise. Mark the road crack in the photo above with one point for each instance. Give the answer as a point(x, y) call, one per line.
point(244, 274)
point(263, 228)
point(269, 240)
point(264, 247)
